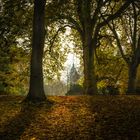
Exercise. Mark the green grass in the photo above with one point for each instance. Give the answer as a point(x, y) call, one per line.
point(71, 118)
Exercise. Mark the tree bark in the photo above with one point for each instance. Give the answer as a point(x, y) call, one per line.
point(90, 85)
point(132, 72)
point(138, 81)
point(89, 46)
point(36, 89)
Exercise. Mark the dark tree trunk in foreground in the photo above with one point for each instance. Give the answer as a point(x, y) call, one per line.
point(36, 89)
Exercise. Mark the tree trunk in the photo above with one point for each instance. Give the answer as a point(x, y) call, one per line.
point(36, 89)
point(132, 72)
point(138, 80)
point(90, 85)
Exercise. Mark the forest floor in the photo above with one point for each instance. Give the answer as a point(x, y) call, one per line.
point(71, 118)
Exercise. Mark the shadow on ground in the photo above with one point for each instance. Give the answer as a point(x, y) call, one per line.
point(15, 127)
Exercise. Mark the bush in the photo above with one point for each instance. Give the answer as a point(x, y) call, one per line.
point(110, 90)
point(75, 90)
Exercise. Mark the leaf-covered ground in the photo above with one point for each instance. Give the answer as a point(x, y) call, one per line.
point(71, 118)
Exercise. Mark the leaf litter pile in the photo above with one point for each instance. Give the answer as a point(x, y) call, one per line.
point(71, 118)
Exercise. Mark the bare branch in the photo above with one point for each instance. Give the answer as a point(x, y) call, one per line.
point(115, 15)
point(54, 37)
point(117, 39)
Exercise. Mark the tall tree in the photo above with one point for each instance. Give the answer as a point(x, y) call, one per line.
point(128, 42)
point(36, 89)
point(85, 17)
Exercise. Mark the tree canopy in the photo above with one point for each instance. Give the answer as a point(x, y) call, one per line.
point(104, 34)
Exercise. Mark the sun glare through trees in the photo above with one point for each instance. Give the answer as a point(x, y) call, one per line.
point(69, 69)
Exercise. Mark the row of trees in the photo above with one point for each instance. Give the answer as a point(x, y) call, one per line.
point(94, 22)
point(88, 18)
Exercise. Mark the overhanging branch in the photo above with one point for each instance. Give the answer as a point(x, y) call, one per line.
point(115, 15)
point(117, 39)
point(55, 36)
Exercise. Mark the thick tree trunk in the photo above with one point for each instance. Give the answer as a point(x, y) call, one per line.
point(132, 72)
point(36, 89)
point(90, 85)
point(88, 32)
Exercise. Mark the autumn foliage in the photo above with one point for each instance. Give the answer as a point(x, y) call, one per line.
point(71, 118)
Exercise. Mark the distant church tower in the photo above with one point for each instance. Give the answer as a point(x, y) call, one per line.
point(74, 76)
point(75, 88)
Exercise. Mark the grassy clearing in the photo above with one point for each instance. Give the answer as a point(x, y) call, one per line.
point(71, 118)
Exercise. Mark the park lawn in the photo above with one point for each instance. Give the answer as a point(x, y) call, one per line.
point(71, 118)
